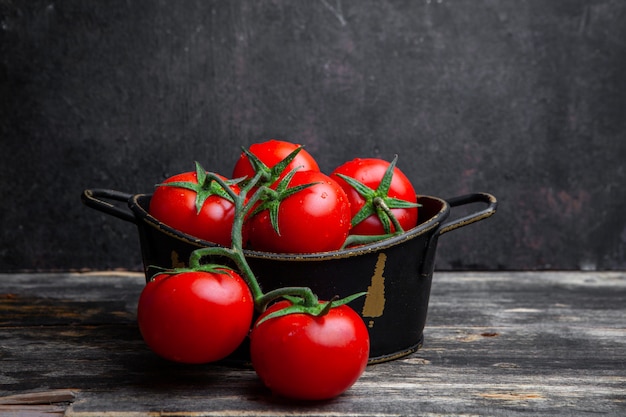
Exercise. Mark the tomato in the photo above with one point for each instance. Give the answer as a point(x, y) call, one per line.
point(305, 357)
point(314, 219)
point(195, 317)
point(370, 172)
point(272, 152)
point(176, 207)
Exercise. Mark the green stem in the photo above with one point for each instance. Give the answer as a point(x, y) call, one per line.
point(310, 299)
point(235, 252)
point(235, 255)
point(356, 240)
point(241, 209)
point(379, 202)
point(223, 184)
point(303, 298)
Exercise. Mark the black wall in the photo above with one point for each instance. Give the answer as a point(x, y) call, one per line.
point(523, 99)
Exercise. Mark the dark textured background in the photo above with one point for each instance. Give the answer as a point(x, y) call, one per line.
point(523, 99)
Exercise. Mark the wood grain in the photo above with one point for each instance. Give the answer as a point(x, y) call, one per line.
point(500, 344)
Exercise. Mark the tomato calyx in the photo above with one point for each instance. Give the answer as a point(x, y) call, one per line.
point(301, 306)
point(273, 197)
point(269, 176)
point(379, 203)
point(205, 187)
point(355, 240)
point(208, 267)
point(273, 185)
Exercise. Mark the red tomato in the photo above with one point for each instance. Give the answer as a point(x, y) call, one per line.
point(315, 219)
point(195, 317)
point(176, 207)
point(272, 152)
point(310, 358)
point(370, 171)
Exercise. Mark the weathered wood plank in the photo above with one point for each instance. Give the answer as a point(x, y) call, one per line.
point(40, 397)
point(37, 404)
point(497, 344)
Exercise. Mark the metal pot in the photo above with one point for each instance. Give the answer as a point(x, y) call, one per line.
point(396, 272)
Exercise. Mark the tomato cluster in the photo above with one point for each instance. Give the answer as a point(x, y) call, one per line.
point(354, 199)
point(277, 200)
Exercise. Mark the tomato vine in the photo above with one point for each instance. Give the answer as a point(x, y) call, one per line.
point(261, 196)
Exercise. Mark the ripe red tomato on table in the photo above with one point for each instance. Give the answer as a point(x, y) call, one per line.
point(370, 171)
point(314, 219)
point(195, 317)
point(304, 357)
point(176, 207)
point(271, 152)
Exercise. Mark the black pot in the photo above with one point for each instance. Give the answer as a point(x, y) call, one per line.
point(396, 272)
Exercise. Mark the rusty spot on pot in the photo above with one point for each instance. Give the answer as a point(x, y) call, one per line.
point(176, 262)
point(374, 305)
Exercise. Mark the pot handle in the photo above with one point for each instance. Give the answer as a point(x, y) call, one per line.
point(94, 199)
point(486, 198)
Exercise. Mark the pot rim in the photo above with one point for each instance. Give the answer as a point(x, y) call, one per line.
point(135, 204)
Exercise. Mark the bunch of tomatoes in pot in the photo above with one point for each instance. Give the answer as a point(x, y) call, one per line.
point(276, 200)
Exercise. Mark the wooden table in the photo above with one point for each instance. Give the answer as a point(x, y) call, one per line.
point(497, 343)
